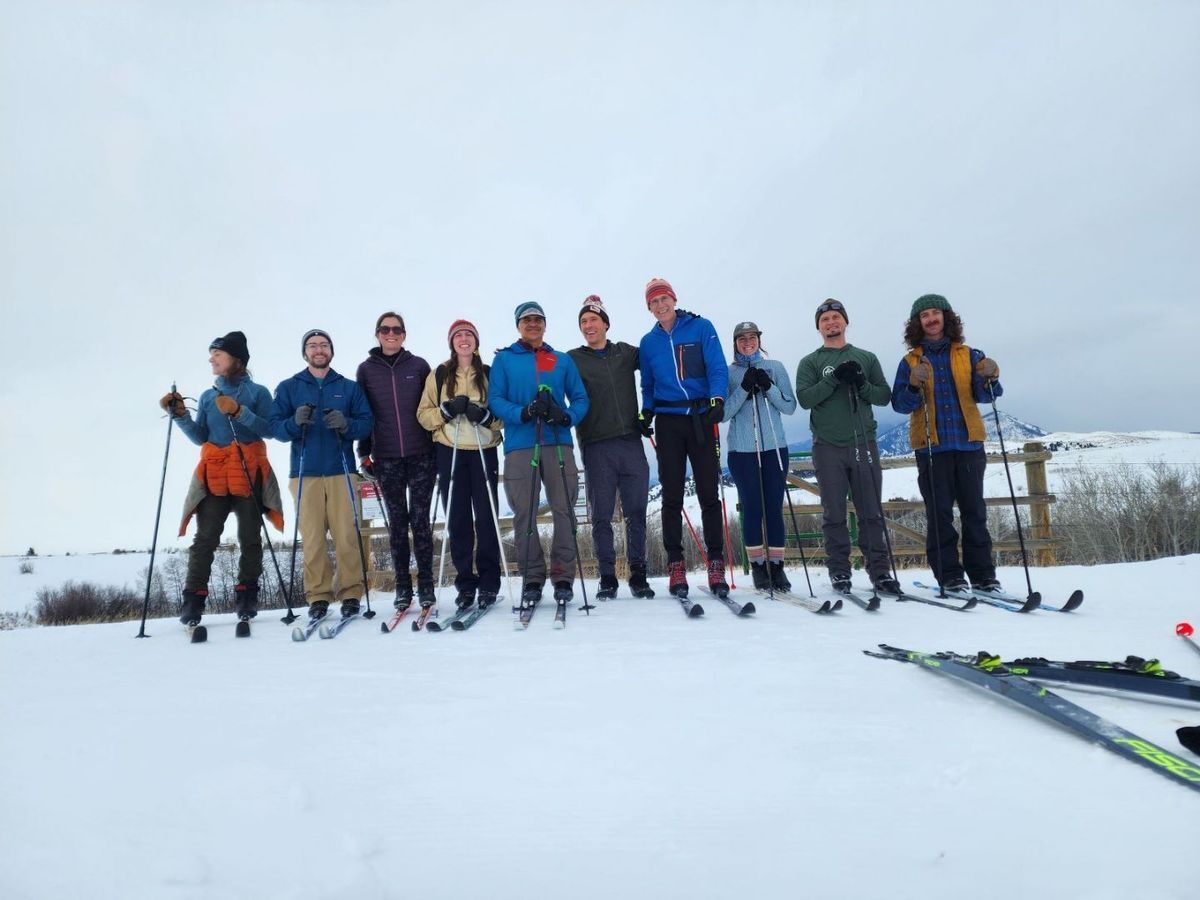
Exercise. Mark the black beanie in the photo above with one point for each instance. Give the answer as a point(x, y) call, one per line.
point(315, 333)
point(234, 344)
point(831, 305)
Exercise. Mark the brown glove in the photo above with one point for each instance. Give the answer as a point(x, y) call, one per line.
point(987, 368)
point(228, 406)
point(921, 373)
point(173, 403)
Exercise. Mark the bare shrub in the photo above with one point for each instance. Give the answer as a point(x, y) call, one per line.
point(26, 567)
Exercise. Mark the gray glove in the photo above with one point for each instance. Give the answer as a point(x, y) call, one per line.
point(335, 421)
point(303, 416)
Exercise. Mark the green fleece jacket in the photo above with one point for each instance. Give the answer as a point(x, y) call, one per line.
point(832, 418)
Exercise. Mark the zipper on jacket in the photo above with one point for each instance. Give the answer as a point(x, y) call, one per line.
point(396, 407)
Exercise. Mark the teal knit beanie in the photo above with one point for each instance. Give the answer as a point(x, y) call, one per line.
point(930, 301)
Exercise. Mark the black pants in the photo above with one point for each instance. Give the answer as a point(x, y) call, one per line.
point(957, 476)
point(617, 465)
point(682, 439)
point(210, 523)
point(407, 488)
point(473, 546)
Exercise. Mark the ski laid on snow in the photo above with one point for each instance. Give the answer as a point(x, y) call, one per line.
point(394, 622)
point(310, 627)
point(329, 630)
point(436, 625)
point(1073, 602)
point(525, 614)
point(1137, 675)
point(1028, 605)
point(462, 623)
point(812, 604)
point(692, 609)
point(738, 609)
point(988, 672)
point(428, 616)
point(870, 604)
point(904, 597)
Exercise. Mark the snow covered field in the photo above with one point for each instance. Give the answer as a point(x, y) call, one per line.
point(636, 754)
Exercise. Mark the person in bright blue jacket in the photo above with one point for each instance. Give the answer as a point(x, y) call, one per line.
point(322, 414)
point(684, 383)
point(538, 394)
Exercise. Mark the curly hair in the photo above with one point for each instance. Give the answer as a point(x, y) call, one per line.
point(914, 333)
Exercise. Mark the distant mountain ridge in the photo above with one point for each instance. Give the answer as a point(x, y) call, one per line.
point(894, 441)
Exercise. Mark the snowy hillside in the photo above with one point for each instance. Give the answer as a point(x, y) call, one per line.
point(894, 441)
point(637, 754)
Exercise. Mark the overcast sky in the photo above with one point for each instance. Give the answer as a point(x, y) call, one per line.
point(170, 171)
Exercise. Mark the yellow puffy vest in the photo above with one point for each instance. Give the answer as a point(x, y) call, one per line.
point(961, 374)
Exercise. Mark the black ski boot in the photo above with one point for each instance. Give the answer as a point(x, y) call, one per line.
point(465, 598)
point(987, 585)
point(246, 601)
point(887, 585)
point(762, 578)
point(716, 577)
point(192, 607)
point(426, 596)
point(349, 608)
point(779, 579)
point(840, 581)
point(563, 592)
point(638, 586)
point(608, 587)
point(403, 596)
point(318, 609)
point(531, 594)
point(486, 599)
point(958, 584)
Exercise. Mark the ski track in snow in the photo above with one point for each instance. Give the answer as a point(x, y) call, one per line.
point(637, 753)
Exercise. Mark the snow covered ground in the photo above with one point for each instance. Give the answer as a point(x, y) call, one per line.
point(637, 754)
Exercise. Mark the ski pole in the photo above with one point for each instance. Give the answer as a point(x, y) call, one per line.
point(535, 477)
point(258, 506)
point(562, 470)
point(495, 515)
point(859, 447)
point(291, 592)
point(162, 486)
point(449, 502)
point(1011, 493)
point(785, 465)
point(724, 516)
point(362, 554)
point(762, 495)
point(937, 541)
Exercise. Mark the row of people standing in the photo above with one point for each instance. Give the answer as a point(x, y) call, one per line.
point(418, 427)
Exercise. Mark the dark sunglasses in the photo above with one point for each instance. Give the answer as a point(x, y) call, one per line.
point(390, 329)
point(830, 306)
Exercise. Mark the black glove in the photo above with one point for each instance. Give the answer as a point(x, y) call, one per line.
point(536, 409)
point(716, 412)
point(764, 379)
point(335, 421)
point(850, 372)
point(444, 409)
point(458, 405)
point(645, 423)
point(304, 415)
point(479, 415)
point(367, 467)
point(555, 414)
point(750, 382)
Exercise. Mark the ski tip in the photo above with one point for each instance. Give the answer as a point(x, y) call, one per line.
point(199, 634)
point(383, 627)
point(458, 626)
point(242, 630)
point(748, 609)
point(1074, 601)
point(297, 634)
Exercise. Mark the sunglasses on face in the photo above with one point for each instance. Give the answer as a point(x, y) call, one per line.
point(390, 329)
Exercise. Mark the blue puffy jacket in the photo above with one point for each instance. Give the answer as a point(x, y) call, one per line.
point(517, 371)
point(321, 446)
point(250, 424)
point(684, 367)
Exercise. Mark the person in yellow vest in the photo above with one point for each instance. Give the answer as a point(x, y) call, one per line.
point(940, 372)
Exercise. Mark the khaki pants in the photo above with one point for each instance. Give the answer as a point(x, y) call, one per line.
point(325, 508)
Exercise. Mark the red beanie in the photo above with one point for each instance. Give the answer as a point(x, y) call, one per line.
point(657, 287)
point(461, 325)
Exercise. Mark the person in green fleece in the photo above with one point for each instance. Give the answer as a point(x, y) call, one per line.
point(840, 383)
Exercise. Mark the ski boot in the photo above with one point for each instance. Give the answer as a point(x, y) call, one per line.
point(426, 596)
point(465, 598)
point(986, 585)
point(404, 596)
point(779, 579)
point(677, 580)
point(958, 585)
point(608, 587)
point(638, 586)
point(486, 599)
point(887, 585)
point(245, 602)
point(349, 608)
point(192, 607)
point(563, 592)
point(318, 609)
point(840, 581)
point(716, 577)
point(761, 576)
point(531, 594)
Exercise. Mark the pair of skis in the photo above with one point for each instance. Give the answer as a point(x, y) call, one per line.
point(198, 634)
point(990, 673)
point(524, 614)
point(425, 616)
point(1003, 600)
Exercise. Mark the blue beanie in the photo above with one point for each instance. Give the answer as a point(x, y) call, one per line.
point(528, 308)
